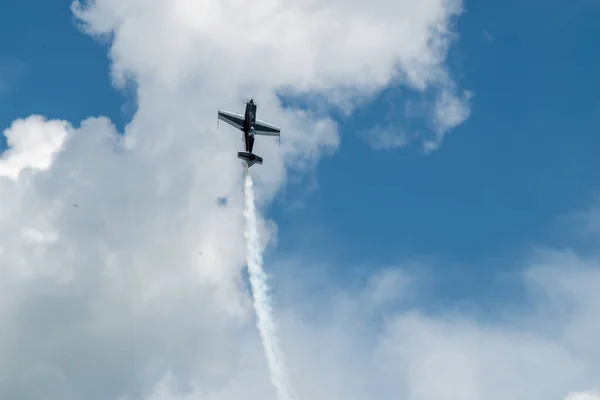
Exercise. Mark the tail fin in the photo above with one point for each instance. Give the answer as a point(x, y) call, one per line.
point(250, 158)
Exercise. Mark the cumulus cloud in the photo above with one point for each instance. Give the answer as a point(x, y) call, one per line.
point(340, 51)
point(32, 143)
point(120, 265)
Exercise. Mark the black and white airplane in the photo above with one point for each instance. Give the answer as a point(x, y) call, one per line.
point(251, 126)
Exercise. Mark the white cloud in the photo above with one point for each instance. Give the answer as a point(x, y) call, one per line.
point(595, 395)
point(357, 348)
point(217, 52)
point(32, 143)
point(450, 111)
point(120, 271)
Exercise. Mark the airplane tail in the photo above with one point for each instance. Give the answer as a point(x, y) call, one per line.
point(250, 158)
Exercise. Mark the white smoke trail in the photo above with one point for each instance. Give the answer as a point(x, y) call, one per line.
point(262, 302)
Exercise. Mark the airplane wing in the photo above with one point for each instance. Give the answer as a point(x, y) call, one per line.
point(262, 128)
point(233, 119)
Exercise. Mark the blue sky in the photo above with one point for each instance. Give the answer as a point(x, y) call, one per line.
point(526, 155)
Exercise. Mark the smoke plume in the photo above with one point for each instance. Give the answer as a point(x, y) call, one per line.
point(262, 302)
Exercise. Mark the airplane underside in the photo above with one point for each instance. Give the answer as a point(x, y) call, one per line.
point(250, 126)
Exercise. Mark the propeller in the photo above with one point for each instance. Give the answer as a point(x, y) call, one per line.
point(246, 100)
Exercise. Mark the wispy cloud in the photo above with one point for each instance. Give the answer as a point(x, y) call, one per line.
point(385, 137)
point(424, 121)
point(487, 35)
point(11, 72)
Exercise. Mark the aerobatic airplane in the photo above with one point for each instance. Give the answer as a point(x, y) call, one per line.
point(251, 126)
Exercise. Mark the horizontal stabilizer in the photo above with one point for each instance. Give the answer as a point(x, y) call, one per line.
point(250, 158)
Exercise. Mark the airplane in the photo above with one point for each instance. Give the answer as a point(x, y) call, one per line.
point(251, 126)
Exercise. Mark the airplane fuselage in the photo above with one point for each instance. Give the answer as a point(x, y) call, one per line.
point(249, 121)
